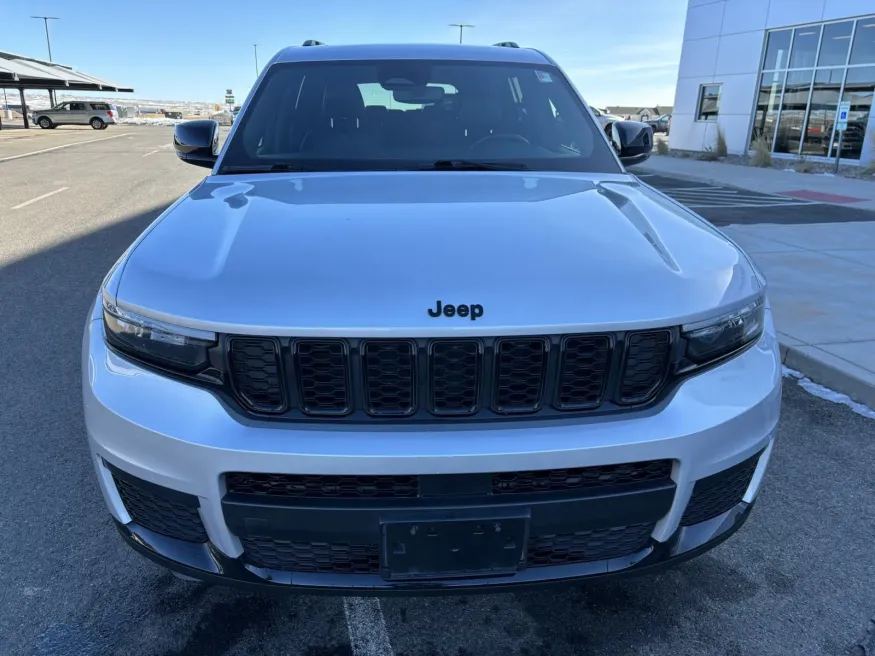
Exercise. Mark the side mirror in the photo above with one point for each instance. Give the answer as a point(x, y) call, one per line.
point(632, 140)
point(197, 142)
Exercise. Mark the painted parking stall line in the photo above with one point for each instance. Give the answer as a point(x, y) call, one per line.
point(39, 198)
point(54, 148)
point(697, 196)
point(367, 627)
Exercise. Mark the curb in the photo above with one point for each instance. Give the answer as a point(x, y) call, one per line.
point(828, 375)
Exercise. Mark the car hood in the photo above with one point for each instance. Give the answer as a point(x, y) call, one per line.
point(369, 253)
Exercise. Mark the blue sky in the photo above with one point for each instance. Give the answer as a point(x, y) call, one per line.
point(621, 53)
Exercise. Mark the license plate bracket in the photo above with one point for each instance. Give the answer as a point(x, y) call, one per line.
point(443, 546)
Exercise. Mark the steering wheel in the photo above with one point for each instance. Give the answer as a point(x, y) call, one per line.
point(501, 137)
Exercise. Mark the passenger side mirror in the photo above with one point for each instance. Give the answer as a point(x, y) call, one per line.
point(632, 140)
point(197, 142)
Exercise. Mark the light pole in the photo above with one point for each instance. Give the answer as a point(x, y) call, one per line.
point(255, 46)
point(461, 27)
point(45, 20)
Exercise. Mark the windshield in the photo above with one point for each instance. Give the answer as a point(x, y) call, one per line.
point(416, 114)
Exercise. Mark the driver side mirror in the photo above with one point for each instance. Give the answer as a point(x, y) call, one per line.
point(632, 140)
point(197, 142)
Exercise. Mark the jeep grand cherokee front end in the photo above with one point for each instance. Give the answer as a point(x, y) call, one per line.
point(418, 330)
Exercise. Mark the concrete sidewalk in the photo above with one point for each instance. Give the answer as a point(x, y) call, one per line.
point(810, 186)
point(821, 275)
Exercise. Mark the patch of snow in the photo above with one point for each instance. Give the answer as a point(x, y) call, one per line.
point(149, 121)
point(825, 393)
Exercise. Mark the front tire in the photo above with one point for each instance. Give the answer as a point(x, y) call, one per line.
point(45, 123)
point(97, 123)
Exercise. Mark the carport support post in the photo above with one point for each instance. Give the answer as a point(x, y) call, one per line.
point(24, 109)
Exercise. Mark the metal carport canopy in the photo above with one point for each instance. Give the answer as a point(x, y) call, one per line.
point(19, 72)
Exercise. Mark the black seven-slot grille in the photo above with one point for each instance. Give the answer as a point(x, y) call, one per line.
point(468, 378)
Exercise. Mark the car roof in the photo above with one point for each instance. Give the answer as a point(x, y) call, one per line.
point(412, 51)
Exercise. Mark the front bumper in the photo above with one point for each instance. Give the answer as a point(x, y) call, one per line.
point(181, 442)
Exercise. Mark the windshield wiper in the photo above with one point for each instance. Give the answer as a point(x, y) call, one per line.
point(470, 165)
point(273, 168)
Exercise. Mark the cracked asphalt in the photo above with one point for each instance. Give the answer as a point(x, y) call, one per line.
point(797, 579)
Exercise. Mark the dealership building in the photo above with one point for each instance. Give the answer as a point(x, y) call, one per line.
point(772, 73)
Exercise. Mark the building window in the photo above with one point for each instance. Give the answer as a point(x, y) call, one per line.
point(822, 110)
point(806, 71)
point(859, 89)
point(766, 115)
point(805, 40)
point(835, 45)
point(793, 107)
point(709, 102)
point(863, 51)
point(777, 50)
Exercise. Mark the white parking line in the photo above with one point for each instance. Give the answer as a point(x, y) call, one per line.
point(151, 153)
point(70, 145)
point(38, 198)
point(367, 627)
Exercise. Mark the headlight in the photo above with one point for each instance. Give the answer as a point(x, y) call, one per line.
point(173, 347)
point(715, 339)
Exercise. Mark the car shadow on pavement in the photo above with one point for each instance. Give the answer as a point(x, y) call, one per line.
point(68, 584)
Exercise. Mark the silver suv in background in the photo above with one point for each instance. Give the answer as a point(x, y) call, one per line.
point(96, 114)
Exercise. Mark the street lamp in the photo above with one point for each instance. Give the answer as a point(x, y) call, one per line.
point(45, 20)
point(461, 27)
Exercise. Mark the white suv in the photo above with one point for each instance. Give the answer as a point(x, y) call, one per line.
point(96, 114)
point(438, 340)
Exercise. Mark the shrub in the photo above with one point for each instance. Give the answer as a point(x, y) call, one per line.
point(720, 147)
point(662, 147)
point(804, 165)
point(708, 155)
point(762, 152)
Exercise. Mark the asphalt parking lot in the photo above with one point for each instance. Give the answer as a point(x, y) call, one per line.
point(798, 579)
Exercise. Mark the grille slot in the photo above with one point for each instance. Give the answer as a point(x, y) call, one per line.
point(520, 368)
point(390, 376)
point(321, 557)
point(455, 376)
point(645, 366)
point(585, 546)
point(603, 476)
point(156, 513)
point(323, 376)
point(715, 494)
point(583, 371)
point(311, 486)
point(255, 368)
